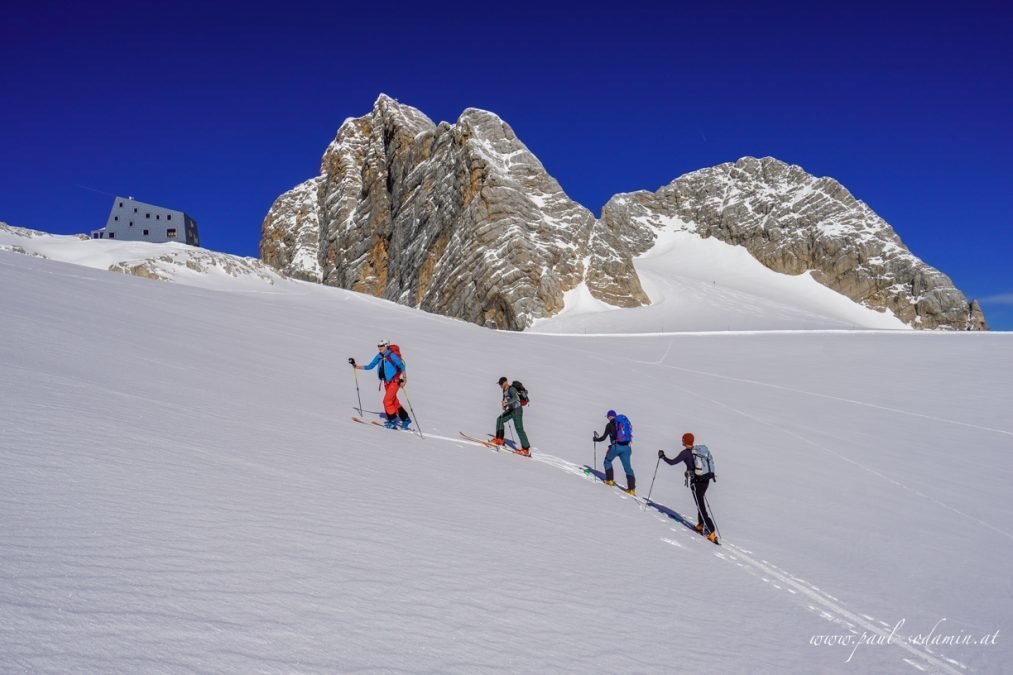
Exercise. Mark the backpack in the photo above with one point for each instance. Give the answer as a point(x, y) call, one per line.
point(522, 393)
point(387, 359)
point(624, 429)
point(703, 461)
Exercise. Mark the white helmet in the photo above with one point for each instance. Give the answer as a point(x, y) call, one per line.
point(383, 343)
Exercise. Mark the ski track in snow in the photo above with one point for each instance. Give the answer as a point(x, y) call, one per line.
point(80, 577)
point(860, 465)
point(933, 418)
point(829, 607)
point(660, 364)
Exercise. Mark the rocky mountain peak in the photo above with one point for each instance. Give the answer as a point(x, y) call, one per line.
point(459, 219)
point(462, 219)
point(794, 222)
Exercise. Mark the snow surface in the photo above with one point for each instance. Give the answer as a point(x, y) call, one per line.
point(705, 284)
point(169, 261)
point(182, 488)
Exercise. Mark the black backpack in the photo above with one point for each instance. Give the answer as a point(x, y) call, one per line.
point(522, 393)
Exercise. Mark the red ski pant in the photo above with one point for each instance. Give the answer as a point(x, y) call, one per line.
point(391, 404)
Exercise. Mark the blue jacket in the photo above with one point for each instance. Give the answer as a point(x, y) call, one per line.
point(388, 372)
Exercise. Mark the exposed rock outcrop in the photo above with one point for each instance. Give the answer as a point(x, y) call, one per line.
point(793, 222)
point(462, 220)
point(458, 219)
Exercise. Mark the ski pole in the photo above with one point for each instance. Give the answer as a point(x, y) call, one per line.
point(595, 465)
point(356, 376)
point(656, 465)
point(414, 417)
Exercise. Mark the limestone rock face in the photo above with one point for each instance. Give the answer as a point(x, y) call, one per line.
point(457, 219)
point(462, 220)
point(794, 222)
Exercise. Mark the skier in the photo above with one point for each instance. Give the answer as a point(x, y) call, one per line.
point(393, 377)
point(512, 410)
point(697, 484)
point(619, 431)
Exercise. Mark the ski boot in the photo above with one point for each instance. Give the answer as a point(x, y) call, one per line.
point(390, 424)
point(407, 421)
point(631, 485)
point(713, 537)
point(524, 452)
point(699, 528)
point(497, 441)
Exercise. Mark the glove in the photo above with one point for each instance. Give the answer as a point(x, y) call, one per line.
point(351, 361)
point(661, 454)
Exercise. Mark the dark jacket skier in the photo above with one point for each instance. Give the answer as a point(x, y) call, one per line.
point(620, 449)
point(697, 484)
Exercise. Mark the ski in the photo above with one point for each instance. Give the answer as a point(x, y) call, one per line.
point(493, 446)
point(510, 446)
point(378, 423)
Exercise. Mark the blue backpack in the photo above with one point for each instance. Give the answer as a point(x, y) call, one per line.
point(624, 430)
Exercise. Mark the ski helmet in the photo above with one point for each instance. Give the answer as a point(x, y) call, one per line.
point(610, 414)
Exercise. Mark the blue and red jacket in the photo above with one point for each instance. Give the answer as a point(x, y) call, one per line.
point(391, 365)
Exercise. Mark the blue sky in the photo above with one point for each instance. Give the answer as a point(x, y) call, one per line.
point(218, 109)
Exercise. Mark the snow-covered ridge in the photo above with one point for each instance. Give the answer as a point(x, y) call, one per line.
point(797, 223)
point(178, 263)
point(698, 284)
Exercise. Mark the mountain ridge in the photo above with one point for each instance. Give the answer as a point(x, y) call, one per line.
point(463, 220)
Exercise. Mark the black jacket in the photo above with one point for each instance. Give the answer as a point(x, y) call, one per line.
point(686, 457)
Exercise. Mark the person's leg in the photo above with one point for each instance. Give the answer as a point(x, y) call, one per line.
point(625, 452)
point(609, 457)
point(390, 402)
point(518, 416)
point(701, 494)
point(500, 421)
point(696, 500)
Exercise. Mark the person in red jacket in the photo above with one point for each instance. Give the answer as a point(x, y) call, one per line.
point(698, 485)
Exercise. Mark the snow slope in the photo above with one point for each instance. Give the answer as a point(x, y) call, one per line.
point(182, 488)
point(175, 262)
point(706, 284)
